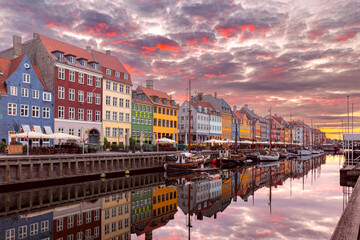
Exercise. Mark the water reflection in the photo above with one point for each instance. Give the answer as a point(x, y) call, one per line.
point(145, 206)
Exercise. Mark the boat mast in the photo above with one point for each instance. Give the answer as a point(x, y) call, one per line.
point(270, 128)
point(189, 224)
point(189, 137)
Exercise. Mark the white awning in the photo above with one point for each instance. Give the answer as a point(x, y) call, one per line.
point(37, 128)
point(48, 130)
point(26, 128)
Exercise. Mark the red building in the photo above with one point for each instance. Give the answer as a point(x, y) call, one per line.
point(78, 221)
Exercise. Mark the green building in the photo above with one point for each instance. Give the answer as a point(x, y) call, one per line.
point(141, 208)
point(142, 118)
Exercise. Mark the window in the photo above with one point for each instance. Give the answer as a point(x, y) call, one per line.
point(159, 122)
point(115, 86)
point(34, 229)
point(24, 92)
point(121, 102)
point(107, 132)
point(114, 118)
point(108, 72)
point(70, 237)
point(35, 94)
point(120, 210)
point(24, 110)
point(71, 94)
point(87, 233)
point(35, 111)
point(114, 132)
point(97, 99)
point(120, 225)
point(115, 101)
point(81, 78)
point(97, 82)
point(61, 73)
point(127, 117)
point(61, 112)
point(22, 232)
point(108, 85)
point(61, 92)
point(89, 80)
point(71, 76)
point(61, 57)
point(97, 116)
point(79, 236)
point(127, 104)
point(127, 89)
point(81, 114)
point(89, 115)
point(155, 122)
point(126, 77)
point(13, 91)
point(113, 227)
point(72, 59)
point(121, 88)
point(84, 63)
point(96, 232)
point(26, 78)
point(96, 215)
point(107, 213)
point(107, 228)
point(61, 130)
point(121, 117)
point(117, 74)
point(59, 224)
point(71, 113)
point(81, 96)
point(107, 100)
point(126, 222)
point(70, 222)
point(89, 97)
point(45, 226)
point(10, 234)
point(79, 219)
point(133, 119)
point(113, 212)
point(127, 208)
point(107, 115)
point(46, 96)
point(88, 217)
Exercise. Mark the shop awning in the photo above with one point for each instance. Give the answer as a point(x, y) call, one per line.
point(25, 128)
point(48, 130)
point(37, 128)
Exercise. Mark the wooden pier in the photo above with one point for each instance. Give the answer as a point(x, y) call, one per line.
point(23, 169)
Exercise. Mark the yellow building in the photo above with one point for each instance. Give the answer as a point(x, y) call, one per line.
point(226, 126)
point(287, 135)
point(115, 216)
point(165, 112)
point(244, 126)
point(164, 200)
point(116, 98)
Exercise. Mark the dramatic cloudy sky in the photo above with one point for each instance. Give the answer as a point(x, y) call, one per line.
point(300, 56)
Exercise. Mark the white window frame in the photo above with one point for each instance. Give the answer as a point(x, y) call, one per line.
point(98, 82)
point(97, 116)
point(61, 112)
point(24, 107)
point(70, 222)
point(107, 115)
point(13, 91)
point(81, 96)
point(89, 97)
point(71, 76)
point(115, 101)
point(121, 102)
point(127, 89)
point(35, 111)
point(26, 78)
point(108, 71)
point(24, 92)
point(61, 73)
point(108, 85)
point(10, 234)
point(46, 112)
point(88, 216)
point(80, 219)
point(45, 226)
point(89, 80)
point(114, 116)
point(89, 115)
point(22, 232)
point(12, 109)
point(71, 113)
point(97, 99)
point(80, 114)
point(35, 94)
point(81, 78)
point(108, 100)
point(121, 88)
point(107, 132)
point(34, 229)
point(117, 74)
point(71, 94)
point(61, 92)
point(126, 76)
point(127, 103)
point(46, 96)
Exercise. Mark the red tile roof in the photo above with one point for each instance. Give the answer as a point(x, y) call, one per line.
point(4, 68)
point(113, 63)
point(52, 45)
point(151, 92)
point(15, 64)
point(138, 100)
point(239, 115)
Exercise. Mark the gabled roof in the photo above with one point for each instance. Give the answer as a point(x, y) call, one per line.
point(239, 115)
point(113, 63)
point(136, 99)
point(36, 69)
point(53, 45)
point(223, 103)
point(4, 68)
point(151, 92)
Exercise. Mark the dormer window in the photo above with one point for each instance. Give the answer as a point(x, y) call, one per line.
point(108, 71)
point(61, 57)
point(84, 63)
point(126, 77)
point(96, 67)
point(164, 101)
point(117, 74)
point(72, 59)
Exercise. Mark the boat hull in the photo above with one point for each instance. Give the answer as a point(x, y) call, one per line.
point(303, 152)
point(269, 157)
point(182, 166)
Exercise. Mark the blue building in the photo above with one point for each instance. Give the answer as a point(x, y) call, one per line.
point(31, 227)
point(25, 103)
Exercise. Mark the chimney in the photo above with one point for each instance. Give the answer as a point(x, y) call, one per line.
point(246, 105)
point(150, 84)
point(200, 96)
point(234, 108)
point(108, 52)
point(35, 35)
point(215, 94)
point(16, 46)
point(88, 48)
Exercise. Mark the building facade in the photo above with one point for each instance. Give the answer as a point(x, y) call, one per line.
point(142, 118)
point(26, 105)
point(116, 98)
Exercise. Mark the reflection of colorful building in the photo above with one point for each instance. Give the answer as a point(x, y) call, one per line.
point(115, 216)
point(29, 226)
point(164, 200)
point(78, 221)
point(141, 207)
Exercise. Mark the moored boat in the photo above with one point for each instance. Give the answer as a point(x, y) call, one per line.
point(184, 161)
point(303, 152)
point(269, 157)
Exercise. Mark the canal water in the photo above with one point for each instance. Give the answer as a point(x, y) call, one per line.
point(290, 199)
